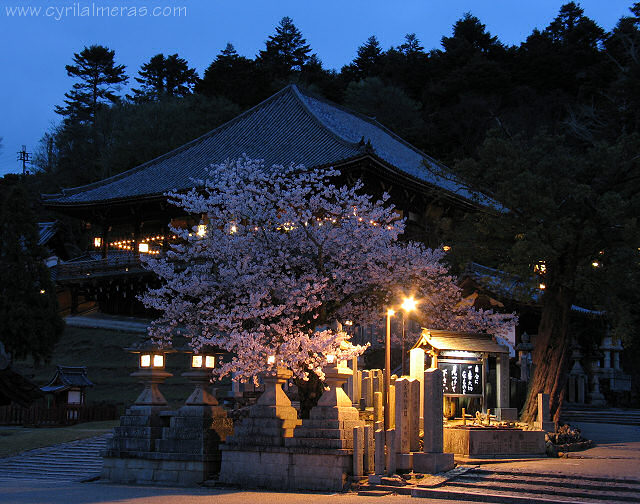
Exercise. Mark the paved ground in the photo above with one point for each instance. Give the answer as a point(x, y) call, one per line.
point(616, 456)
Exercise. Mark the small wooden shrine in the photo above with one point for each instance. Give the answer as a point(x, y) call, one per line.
point(68, 386)
point(465, 359)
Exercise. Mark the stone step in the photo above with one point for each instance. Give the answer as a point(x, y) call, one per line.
point(374, 493)
point(56, 464)
point(558, 477)
point(74, 461)
point(525, 487)
point(496, 496)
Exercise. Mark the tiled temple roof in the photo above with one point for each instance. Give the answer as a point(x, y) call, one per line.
point(289, 127)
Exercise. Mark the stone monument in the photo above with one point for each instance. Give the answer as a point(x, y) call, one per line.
point(432, 460)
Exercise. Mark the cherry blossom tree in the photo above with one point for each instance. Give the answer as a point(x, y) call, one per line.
point(282, 254)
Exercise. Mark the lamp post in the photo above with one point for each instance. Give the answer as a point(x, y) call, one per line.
point(408, 305)
point(387, 369)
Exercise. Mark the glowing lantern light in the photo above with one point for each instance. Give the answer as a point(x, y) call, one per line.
point(143, 247)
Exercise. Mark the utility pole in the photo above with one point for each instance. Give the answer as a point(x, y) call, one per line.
point(23, 156)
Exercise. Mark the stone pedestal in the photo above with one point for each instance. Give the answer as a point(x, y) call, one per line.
point(473, 442)
point(326, 440)
point(353, 385)
point(416, 371)
point(433, 460)
point(596, 398)
point(369, 450)
point(271, 419)
point(406, 421)
point(157, 447)
point(506, 414)
point(330, 423)
point(367, 388)
point(358, 452)
point(543, 422)
point(151, 378)
point(502, 380)
point(198, 428)
point(379, 460)
point(378, 409)
point(267, 452)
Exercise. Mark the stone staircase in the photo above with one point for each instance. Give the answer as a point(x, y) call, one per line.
point(512, 487)
point(572, 414)
point(67, 462)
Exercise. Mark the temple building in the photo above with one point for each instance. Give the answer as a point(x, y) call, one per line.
point(128, 214)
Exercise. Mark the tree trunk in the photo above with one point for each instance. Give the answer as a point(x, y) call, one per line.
point(309, 392)
point(551, 352)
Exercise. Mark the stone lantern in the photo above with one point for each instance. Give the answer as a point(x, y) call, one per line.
point(202, 363)
point(151, 372)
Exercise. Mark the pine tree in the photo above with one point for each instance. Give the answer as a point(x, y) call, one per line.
point(367, 62)
point(287, 51)
point(29, 320)
point(164, 77)
point(99, 79)
point(234, 77)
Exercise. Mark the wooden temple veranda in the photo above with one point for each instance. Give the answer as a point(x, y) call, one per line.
point(128, 214)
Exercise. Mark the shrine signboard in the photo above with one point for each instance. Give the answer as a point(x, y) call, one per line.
point(461, 378)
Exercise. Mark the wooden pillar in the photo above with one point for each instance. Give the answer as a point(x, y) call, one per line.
point(485, 371)
point(104, 246)
point(74, 299)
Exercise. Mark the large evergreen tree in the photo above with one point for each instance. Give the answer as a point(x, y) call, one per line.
point(163, 77)
point(99, 79)
point(367, 62)
point(388, 104)
point(286, 51)
point(234, 77)
point(29, 320)
point(568, 205)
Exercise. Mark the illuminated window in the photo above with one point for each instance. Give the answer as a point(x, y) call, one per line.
point(143, 247)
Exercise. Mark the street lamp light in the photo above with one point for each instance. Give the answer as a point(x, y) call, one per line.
point(408, 305)
point(387, 369)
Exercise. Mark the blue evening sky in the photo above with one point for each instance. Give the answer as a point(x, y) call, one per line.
point(34, 49)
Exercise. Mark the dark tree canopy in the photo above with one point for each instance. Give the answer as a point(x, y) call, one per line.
point(568, 205)
point(98, 81)
point(387, 104)
point(29, 322)
point(234, 77)
point(368, 60)
point(163, 77)
point(286, 51)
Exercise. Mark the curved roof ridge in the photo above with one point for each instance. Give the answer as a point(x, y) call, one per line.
point(173, 152)
point(299, 97)
point(371, 120)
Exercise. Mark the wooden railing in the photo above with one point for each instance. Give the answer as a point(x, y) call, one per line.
point(112, 265)
point(62, 415)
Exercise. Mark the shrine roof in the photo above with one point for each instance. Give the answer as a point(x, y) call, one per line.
point(67, 377)
point(289, 127)
point(512, 287)
point(460, 341)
